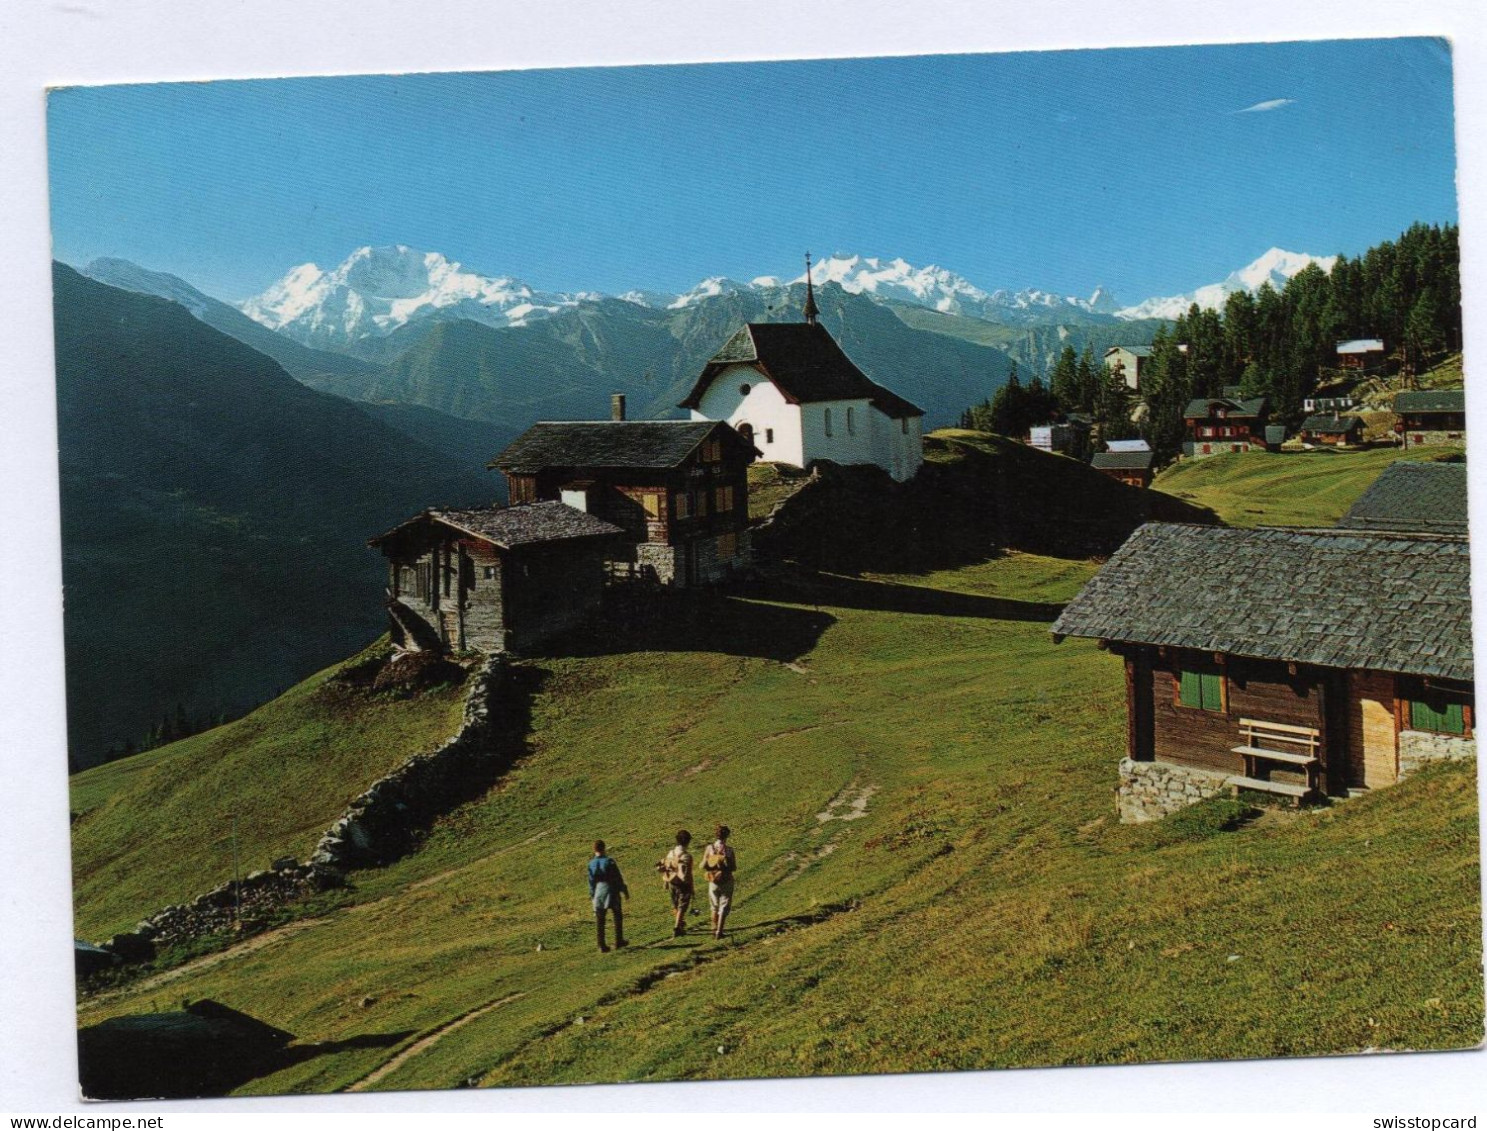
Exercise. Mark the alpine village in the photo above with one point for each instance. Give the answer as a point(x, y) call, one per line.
point(1130, 718)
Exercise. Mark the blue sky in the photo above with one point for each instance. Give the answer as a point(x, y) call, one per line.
point(1150, 171)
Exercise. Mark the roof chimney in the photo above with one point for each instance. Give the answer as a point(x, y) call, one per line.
point(617, 406)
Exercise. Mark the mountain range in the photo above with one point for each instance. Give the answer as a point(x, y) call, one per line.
point(377, 291)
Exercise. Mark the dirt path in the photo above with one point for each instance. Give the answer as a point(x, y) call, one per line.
point(428, 1040)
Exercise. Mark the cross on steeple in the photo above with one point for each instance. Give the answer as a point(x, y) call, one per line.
point(810, 294)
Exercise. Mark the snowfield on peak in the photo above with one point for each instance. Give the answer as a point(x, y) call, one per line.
point(380, 289)
point(1274, 267)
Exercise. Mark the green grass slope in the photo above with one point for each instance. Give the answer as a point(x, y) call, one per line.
point(931, 875)
point(157, 828)
point(1285, 488)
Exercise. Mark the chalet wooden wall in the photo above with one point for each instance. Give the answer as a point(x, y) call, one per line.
point(1373, 737)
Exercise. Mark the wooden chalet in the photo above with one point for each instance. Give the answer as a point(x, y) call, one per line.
point(1331, 429)
point(497, 579)
point(1424, 498)
point(1132, 468)
point(1361, 354)
point(1431, 416)
point(677, 488)
point(1293, 662)
point(1220, 425)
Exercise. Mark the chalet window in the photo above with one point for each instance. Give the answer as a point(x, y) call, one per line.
point(1438, 709)
point(723, 499)
point(728, 546)
point(652, 504)
point(701, 504)
point(903, 425)
point(489, 573)
point(683, 503)
point(769, 435)
point(1200, 689)
point(851, 427)
point(827, 418)
point(712, 451)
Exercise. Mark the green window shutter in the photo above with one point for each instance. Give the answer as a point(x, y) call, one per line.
point(1451, 719)
point(1191, 694)
point(1213, 693)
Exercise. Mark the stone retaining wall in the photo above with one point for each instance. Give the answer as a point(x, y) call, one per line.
point(1420, 748)
point(376, 827)
point(1149, 791)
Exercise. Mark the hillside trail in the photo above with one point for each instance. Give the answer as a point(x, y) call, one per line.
point(427, 1041)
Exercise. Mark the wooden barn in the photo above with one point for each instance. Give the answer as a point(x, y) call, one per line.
point(1361, 354)
point(1424, 498)
point(1431, 416)
point(1332, 429)
point(677, 488)
point(499, 579)
point(1298, 663)
point(1131, 468)
point(1220, 425)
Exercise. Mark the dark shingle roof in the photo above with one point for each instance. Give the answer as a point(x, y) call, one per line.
point(605, 443)
point(1339, 599)
point(1431, 400)
point(511, 527)
point(805, 364)
point(1325, 422)
point(1122, 461)
point(1425, 497)
point(1139, 351)
point(1199, 406)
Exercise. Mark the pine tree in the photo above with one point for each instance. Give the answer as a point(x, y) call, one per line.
point(1064, 381)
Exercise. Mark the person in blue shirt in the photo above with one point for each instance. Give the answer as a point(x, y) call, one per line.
point(606, 886)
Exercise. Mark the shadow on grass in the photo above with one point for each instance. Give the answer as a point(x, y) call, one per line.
point(884, 596)
point(204, 1049)
point(680, 620)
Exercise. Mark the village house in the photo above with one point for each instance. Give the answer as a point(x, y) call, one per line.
point(496, 579)
point(1127, 362)
point(1298, 663)
point(1219, 425)
point(789, 390)
point(1066, 436)
point(677, 488)
point(1361, 353)
point(1132, 467)
point(1341, 402)
point(1421, 497)
point(1431, 416)
point(1331, 429)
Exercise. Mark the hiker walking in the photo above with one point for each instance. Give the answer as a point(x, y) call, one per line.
point(718, 865)
point(606, 886)
point(676, 873)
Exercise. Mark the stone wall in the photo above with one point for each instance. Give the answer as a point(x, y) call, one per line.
point(1420, 748)
point(376, 827)
point(656, 562)
point(1424, 438)
point(1149, 791)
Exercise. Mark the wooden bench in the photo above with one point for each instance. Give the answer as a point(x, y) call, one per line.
point(1300, 748)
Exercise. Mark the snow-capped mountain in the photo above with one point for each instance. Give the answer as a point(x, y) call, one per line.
point(379, 289)
point(1274, 267)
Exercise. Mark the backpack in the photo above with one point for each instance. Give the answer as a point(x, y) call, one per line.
point(715, 864)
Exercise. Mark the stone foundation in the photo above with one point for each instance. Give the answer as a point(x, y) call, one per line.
point(1149, 791)
point(656, 562)
point(1419, 748)
point(1417, 438)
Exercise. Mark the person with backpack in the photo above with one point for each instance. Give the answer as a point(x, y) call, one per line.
point(718, 865)
point(676, 873)
point(606, 886)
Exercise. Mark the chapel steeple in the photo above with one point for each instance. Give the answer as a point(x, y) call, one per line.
point(810, 294)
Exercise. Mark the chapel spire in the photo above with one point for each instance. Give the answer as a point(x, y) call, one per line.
point(810, 294)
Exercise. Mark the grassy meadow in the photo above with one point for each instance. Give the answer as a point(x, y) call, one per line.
point(930, 871)
point(1312, 488)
